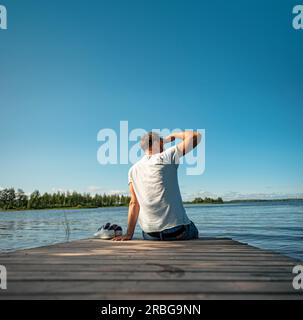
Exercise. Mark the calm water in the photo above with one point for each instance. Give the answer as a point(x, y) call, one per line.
point(276, 225)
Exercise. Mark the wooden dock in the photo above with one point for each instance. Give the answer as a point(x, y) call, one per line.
point(199, 269)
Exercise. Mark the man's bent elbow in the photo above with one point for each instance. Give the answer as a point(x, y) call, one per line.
point(133, 203)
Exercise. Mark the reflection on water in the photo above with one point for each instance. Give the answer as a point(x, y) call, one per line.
point(276, 226)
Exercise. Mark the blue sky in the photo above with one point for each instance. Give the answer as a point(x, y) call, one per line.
point(71, 68)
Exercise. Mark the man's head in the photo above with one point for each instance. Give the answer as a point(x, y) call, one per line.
point(151, 143)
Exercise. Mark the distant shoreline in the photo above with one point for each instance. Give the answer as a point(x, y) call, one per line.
point(185, 203)
point(61, 208)
point(246, 200)
point(263, 200)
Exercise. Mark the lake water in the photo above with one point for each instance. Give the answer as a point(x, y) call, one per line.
point(276, 226)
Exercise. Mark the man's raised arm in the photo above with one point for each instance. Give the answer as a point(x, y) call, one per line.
point(133, 212)
point(190, 140)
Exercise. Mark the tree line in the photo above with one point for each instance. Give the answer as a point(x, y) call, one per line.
point(207, 200)
point(11, 199)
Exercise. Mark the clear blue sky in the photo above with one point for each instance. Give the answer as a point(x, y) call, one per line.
point(71, 68)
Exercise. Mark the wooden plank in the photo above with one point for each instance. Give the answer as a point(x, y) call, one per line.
point(153, 296)
point(171, 253)
point(121, 257)
point(200, 296)
point(156, 275)
point(151, 286)
point(181, 262)
point(143, 245)
point(144, 268)
point(142, 249)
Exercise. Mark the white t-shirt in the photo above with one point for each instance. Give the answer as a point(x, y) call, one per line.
point(155, 181)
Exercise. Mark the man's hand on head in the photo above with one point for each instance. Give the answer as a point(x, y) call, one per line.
point(122, 238)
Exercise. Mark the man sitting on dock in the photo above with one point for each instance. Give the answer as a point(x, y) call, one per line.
point(154, 189)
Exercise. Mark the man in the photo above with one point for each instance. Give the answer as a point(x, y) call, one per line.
point(154, 189)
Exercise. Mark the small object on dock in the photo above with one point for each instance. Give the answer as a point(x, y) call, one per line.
point(198, 269)
point(108, 231)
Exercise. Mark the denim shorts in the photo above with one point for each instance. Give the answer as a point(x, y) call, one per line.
point(189, 232)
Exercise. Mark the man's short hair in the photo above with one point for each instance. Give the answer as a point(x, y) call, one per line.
point(148, 139)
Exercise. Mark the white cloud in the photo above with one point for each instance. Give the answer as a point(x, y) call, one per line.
point(62, 190)
point(95, 189)
point(100, 190)
point(124, 192)
point(263, 196)
point(234, 195)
